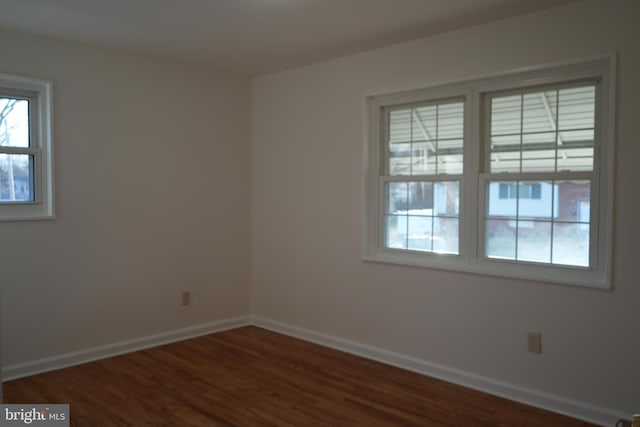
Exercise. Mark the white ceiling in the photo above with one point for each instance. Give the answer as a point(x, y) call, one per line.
point(252, 37)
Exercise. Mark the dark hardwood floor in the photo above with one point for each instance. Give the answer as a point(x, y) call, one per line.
point(253, 377)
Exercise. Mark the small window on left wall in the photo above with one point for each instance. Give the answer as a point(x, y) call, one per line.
point(26, 149)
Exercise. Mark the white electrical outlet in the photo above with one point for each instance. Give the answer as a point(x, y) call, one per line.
point(534, 342)
point(186, 298)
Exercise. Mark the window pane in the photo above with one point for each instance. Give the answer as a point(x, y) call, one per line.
point(396, 231)
point(506, 115)
point(446, 233)
point(505, 162)
point(502, 199)
point(425, 121)
point(421, 161)
point(400, 126)
point(534, 241)
point(575, 138)
point(535, 199)
point(451, 164)
point(505, 153)
point(575, 153)
point(400, 129)
point(420, 233)
point(14, 122)
point(571, 244)
point(539, 112)
point(577, 108)
point(16, 178)
point(539, 152)
point(424, 135)
point(446, 198)
point(575, 160)
point(399, 158)
point(420, 198)
point(573, 201)
point(450, 121)
point(505, 142)
point(500, 239)
point(584, 211)
point(539, 160)
point(531, 141)
point(397, 197)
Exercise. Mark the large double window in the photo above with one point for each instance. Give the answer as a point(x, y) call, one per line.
point(509, 176)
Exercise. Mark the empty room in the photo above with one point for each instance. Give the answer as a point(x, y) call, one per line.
point(319, 212)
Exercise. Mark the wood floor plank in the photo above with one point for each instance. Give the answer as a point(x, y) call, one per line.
point(253, 377)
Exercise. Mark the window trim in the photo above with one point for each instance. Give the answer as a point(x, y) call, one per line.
point(470, 259)
point(40, 93)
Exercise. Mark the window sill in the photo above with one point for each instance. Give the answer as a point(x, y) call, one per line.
point(580, 277)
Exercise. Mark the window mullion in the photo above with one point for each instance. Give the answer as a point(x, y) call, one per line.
point(19, 150)
point(553, 222)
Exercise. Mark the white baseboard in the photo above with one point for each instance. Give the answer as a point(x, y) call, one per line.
point(34, 367)
point(576, 409)
point(572, 408)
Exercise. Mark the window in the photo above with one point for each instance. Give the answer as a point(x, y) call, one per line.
point(548, 134)
point(422, 177)
point(509, 175)
point(26, 181)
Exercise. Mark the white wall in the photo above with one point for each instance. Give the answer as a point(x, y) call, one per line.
point(152, 187)
point(153, 174)
point(307, 198)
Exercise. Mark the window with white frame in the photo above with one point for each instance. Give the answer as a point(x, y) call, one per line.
point(423, 168)
point(544, 138)
point(508, 175)
point(26, 168)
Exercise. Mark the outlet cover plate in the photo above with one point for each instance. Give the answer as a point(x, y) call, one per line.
point(534, 342)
